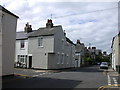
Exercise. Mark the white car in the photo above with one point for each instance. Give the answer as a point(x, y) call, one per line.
point(104, 65)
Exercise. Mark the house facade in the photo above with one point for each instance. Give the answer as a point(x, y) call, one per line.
point(21, 52)
point(45, 48)
point(8, 22)
point(98, 52)
point(115, 51)
point(79, 54)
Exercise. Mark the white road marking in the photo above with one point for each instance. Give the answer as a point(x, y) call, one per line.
point(41, 74)
point(44, 73)
point(115, 81)
point(109, 80)
point(35, 75)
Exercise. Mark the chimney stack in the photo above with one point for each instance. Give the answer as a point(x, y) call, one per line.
point(78, 41)
point(49, 24)
point(28, 28)
point(93, 47)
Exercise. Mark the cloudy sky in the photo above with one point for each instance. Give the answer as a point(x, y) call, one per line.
point(91, 22)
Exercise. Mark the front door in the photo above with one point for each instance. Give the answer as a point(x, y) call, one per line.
point(30, 61)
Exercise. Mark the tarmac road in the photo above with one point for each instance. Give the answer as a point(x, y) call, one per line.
point(84, 77)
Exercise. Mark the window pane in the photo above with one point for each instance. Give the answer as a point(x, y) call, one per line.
point(22, 43)
point(18, 57)
point(40, 41)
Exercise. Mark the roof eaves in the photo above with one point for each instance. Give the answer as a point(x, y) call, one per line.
point(40, 35)
point(5, 10)
point(22, 39)
point(68, 40)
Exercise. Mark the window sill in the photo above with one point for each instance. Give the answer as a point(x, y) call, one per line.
point(40, 46)
point(22, 48)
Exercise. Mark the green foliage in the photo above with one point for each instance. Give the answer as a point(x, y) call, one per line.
point(106, 59)
point(89, 60)
point(102, 59)
point(98, 59)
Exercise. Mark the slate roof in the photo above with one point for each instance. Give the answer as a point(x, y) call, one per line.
point(68, 40)
point(44, 32)
point(5, 10)
point(21, 35)
point(40, 32)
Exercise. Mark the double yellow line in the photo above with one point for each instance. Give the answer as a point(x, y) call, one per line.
point(109, 86)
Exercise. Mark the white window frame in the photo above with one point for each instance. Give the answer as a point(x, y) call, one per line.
point(40, 41)
point(21, 43)
point(22, 58)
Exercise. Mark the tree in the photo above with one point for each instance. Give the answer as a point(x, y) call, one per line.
point(89, 60)
point(105, 59)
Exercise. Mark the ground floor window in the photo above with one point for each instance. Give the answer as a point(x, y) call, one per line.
point(22, 61)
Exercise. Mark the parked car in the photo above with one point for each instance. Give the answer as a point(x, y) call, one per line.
point(104, 65)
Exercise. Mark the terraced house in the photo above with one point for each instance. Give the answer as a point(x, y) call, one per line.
point(8, 22)
point(79, 54)
point(45, 48)
point(116, 52)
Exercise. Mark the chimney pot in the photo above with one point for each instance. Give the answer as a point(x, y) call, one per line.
point(28, 28)
point(49, 23)
point(78, 41)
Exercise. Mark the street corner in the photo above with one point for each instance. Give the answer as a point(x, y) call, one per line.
point(47, 71)
point(55, 71)
point(110, 87)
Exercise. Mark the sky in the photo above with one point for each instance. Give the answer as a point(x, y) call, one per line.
point(94, 23)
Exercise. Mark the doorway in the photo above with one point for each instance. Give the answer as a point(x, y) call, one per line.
point(30, 61)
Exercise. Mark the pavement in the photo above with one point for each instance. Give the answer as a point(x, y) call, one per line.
point(113, 72)
point(28, 73)
point(113, 78)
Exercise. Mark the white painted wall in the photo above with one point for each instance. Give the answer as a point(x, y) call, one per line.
point(0, 50)
point(19, 51)
point(115, 52)
point(78, 61)
point(46, 56)
point(0, 43)
point(40, 54)
point(9, 23)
